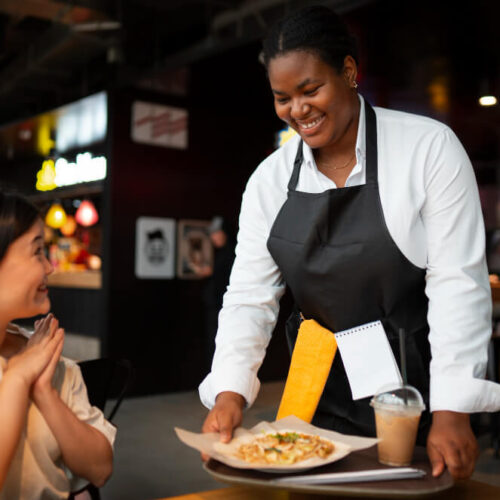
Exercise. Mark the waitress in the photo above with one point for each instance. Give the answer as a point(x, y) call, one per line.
point(367, 214)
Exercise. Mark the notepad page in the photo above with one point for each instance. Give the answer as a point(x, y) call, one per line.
point(368, 359)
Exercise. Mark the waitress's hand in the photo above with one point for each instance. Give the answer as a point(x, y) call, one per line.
point(225, 416)
point(452, 444)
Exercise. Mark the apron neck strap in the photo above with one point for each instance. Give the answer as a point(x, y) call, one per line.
point(371, 144)
point(294, 179)
point(371, 151)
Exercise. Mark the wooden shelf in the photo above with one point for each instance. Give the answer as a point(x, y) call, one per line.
point(76, 279)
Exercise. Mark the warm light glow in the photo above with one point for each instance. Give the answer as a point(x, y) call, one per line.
point(94, 262)
point(70, 227)
point(488, 100)
point(86, 215)
point(64, 173)
point(45, 177)
point(438, 91)
point(45, 143)
point(285, 135)
point(56, 216)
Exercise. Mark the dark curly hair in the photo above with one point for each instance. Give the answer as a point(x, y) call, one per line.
point(315, 29)
point(17, 215)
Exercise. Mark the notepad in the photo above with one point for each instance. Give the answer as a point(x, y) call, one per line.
point(368, 359)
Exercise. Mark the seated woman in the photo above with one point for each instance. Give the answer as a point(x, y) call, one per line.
point(51, 438)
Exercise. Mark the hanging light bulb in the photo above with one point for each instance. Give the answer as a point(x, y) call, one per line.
point(56, 216)
point(70, 227)
point(86, 215)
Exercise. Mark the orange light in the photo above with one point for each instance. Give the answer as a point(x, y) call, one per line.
point(70, 227)
point(86, 215)
point(56, 216)
point(94, 262)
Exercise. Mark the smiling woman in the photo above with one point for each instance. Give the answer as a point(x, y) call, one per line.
point(46, 449)
point(23, 275)
point(321, 105)
point(367, 214)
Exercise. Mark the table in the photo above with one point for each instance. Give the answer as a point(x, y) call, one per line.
point(462, 490)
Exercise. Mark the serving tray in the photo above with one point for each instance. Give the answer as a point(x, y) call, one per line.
point(358, 460)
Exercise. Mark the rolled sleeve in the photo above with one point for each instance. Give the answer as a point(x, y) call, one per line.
point(457, 283)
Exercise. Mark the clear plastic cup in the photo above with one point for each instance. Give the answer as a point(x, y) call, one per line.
point(397, 414)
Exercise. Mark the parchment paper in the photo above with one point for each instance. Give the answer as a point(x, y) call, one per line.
point(210, 444)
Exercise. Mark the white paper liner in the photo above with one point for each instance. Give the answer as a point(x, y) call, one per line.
point(210, 444)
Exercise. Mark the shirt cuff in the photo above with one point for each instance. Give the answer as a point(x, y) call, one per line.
point(228, 380)
point(461, 394)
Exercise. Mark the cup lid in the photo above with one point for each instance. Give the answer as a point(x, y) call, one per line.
point(398, 397)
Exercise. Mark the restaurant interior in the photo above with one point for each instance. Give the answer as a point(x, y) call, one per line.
point(119, 117)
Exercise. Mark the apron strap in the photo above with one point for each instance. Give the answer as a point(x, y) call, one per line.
point(371, 144)
point(294, 178)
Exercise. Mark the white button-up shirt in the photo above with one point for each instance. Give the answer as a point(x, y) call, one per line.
point(432, 211)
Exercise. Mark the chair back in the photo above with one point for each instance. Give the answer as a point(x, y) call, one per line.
point(107, 378)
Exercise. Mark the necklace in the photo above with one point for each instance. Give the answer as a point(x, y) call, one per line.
point(321, 164)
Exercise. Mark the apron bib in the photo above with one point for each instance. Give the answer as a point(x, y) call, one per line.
point(344, 269)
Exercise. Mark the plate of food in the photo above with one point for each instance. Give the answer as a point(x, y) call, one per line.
point(284, 450)
point(286, 445)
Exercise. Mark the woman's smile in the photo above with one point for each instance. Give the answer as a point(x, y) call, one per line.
point(311, 126)
point(24, 274)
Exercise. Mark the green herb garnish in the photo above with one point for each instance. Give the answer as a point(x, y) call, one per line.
point(289, 437)
point(273, 449)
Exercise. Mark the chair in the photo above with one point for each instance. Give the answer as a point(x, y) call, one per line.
point(105, 378)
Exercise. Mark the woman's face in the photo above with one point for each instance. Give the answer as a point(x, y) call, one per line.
point(311, 97)
point(23, 276)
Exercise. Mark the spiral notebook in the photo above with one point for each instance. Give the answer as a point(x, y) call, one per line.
point(368, 359)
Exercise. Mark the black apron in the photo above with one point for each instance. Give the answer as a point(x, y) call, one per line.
point(344, 269)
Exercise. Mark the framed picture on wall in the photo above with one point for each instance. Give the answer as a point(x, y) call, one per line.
point(194, 249)
point(155, 248)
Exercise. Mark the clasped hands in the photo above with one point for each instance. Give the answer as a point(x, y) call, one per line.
point(451, 443)
point(35, 364)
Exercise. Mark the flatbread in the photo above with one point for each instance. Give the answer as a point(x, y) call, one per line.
point(284, 448)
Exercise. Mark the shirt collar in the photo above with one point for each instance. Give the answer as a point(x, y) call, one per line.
point(360, 140)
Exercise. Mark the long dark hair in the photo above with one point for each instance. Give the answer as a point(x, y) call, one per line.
point(17, 215)
point(315, 29)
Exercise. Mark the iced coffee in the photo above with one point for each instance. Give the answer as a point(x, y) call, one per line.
point(397, 414)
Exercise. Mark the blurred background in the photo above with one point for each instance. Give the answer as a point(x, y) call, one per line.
point(132, 123)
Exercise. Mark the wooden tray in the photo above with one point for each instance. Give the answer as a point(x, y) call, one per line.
point(358, 460)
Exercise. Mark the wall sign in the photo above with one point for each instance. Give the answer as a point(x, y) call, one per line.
point(63, 173)
point(159, 125)
point(155, 248)
point(195, 251)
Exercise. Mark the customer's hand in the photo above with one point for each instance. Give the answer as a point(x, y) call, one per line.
point(48, 326)
point(225, 416)
point(33, 359)
point(452, 444)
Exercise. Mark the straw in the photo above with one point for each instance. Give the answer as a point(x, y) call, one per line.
point(402, 352)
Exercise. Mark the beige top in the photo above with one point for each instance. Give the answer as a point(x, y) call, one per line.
point(37, 470)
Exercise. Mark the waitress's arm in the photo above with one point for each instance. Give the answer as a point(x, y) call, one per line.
point(459, 306)
point(250, 310)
